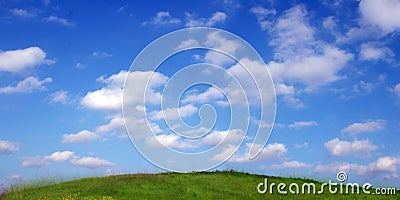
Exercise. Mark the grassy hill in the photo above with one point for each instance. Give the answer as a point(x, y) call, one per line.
point(202, 185)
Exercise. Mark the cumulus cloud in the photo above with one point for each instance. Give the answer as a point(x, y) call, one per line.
point(115, 124)
point(21, 59)
point(270, 152)
point(27, 85)
point(210, 95)
point(217, 17)
point(59, 156)
point(358, 148)
point(7, 147)
point(162, 18)
point(385, 165)
point(91, 162)
point(291, 165)
point(174, 113)
point(298, 125)
point(383, 14)
point(110, 97)
point(215, 137)
point(81, 136)
point(371, 51)
point(364, 127)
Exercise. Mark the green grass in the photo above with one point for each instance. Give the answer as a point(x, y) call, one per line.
point(202, 185)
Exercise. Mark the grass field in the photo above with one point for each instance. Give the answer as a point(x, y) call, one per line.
point(202, 185)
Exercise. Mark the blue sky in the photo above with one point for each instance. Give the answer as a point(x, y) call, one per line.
point(334, 65)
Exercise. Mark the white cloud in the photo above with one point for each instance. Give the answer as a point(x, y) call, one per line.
point(215, 137)
point(262, 15)
point(217, 17)
point(162, 18)
point(383, 13)
point(15, 177)
point(298, 125)
point(59, 97)
point(371, 51)
point(174, 113)
point(395, 90)
point(59, 20)
point(369, 126)
point(59, 156)
point(104, 99)
point(122, 8)
point(224, 154)
point(363, 88)
point(297, 146)
point(386, 164)
point(91, 162)
point(270, 152)
point(252, 91)
point(301, 60)
point(22, 59)
point(188, 43)
point(170, 140)
point(22, 13)
point(291, 165)
point(115, 124)
point(100, 55)
point(210, 95)
point(80, 65)
point(110, 97)
point(313, 70)
point(33, 161)
point(226, 46)
point(27, 85)
point(288, 92)
point(7, 147)
point(81, 136)
point(217, 41)
point(358, 148)
point(329, 23)
point(292, 33)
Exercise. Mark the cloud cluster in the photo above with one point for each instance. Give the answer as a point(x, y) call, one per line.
point(164, 18)
point(299, 58)
point(64, 156)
